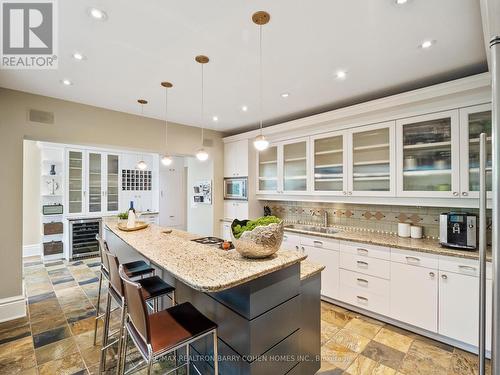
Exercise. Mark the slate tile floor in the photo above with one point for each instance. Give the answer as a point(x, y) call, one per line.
point(57, 335)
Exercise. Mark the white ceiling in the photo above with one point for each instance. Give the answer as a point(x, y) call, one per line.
point(306, 42)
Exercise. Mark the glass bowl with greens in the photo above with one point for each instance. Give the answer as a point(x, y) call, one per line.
point(259, 238)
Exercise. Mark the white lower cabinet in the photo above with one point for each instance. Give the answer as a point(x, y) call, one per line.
point(290, 242)
point(330, 276)
point(236, 210)
point(414, 295)
point(459, 307)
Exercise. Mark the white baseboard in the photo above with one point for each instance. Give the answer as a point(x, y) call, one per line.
point(12, 308)
point(32, 250)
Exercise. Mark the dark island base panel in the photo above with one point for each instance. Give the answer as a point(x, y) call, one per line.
point(270, 325)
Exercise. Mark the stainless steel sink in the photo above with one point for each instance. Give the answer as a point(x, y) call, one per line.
point(312, 228)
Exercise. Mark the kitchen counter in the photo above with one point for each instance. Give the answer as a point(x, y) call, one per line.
point(244, 297)
point(423, 245)
point(203, 268)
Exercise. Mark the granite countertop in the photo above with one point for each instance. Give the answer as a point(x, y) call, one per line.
point(308, 269)
point(201, 267)
point(423, 245)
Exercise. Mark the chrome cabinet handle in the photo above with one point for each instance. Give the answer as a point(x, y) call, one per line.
point(344, 192)
point(285, 238)
point(465, 193)
point(361, 263)
point(467, 268)
point(444, 277)
point(361, 298)
point(362, 251)
point(303, 248)
point(413, 259)
point(296, 247)
point(350, 193)
point(362, 282)
point(455, 193)
point(432, 274)
point(319, 243)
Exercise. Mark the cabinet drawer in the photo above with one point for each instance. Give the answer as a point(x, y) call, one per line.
point(324, 243)
point(365, 300)
point(368, 266)
point(52, 228)
point(415, 258)
point(366, 283)
point(290, 242)
point(371, 251)
point(53, 247)
point(469, 267)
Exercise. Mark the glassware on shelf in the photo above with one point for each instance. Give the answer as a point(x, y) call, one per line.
point(371, 160)
point(75, 177)
point(329, 164)
point(268, 169)
point(295, 166)
point(95, 190)
point(427, 155)
point(479, 122)
point(112, 180)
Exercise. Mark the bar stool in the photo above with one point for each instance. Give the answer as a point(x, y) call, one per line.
point(153, 288)
point(158, 334)
point(134, 269)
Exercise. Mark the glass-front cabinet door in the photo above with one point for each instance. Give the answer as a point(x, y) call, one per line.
point(76, 188)
point(112, 183)
point(267, 168)
point(428, 155)
point(371, 170)
point(474, 121)
point(95, 182)
point(294, 175)
point(329, 160)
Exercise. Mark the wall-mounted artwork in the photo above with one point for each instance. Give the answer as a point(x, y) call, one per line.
point(202, 192)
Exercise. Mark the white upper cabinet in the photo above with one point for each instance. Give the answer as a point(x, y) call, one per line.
point(428, 155)
point(294, 166)
point(474, 121)
point(329, 161)
point(267, 170)
point(93, 182)
point(371, 160)
point(236, 159)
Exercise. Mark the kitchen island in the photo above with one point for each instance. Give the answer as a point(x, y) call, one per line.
point(267, 310)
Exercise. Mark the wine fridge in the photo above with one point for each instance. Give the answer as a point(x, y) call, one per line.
point(82, 237)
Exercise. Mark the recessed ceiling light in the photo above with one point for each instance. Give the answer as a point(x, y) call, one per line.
point(215, 119)
point(427, 44)
point(66, 82)
point(244, 108)
point(78, 56)
point(341, 74)
point(285, 95)
point(401, 2)
point(98, 14)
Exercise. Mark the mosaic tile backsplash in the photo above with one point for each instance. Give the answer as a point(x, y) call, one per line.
point(380, 218)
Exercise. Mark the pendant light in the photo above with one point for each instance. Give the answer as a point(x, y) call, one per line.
point(202, 155)
point(141, 164)
point(166, 159)
point(260, 18)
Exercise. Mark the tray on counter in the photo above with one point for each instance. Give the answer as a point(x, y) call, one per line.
point(138, 226)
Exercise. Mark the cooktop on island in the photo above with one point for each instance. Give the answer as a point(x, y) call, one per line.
point(212, 241)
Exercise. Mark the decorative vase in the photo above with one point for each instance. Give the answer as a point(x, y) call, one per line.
point(261, 242)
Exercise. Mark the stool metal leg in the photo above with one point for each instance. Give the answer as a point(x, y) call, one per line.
point(98, 308)
point(124, 354)
point(105, 331)
point(120, 337)
point(216, 354)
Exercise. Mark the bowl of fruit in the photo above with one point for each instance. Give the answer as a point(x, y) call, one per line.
point(259, 238)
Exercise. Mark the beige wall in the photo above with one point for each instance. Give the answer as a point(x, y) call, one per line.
point(75, 124)
point(31, 194)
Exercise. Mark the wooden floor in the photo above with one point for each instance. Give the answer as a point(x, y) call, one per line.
point(57, 335)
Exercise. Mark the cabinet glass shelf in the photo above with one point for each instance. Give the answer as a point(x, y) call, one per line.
point(295, 166)
point(268, 169)
point(329, 164)
point(479, 122)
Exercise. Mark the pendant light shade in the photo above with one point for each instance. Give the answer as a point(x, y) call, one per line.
point(202, 155)
point(261, 143)
point(261, 18)
point(166, 160)
point(141, 164)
